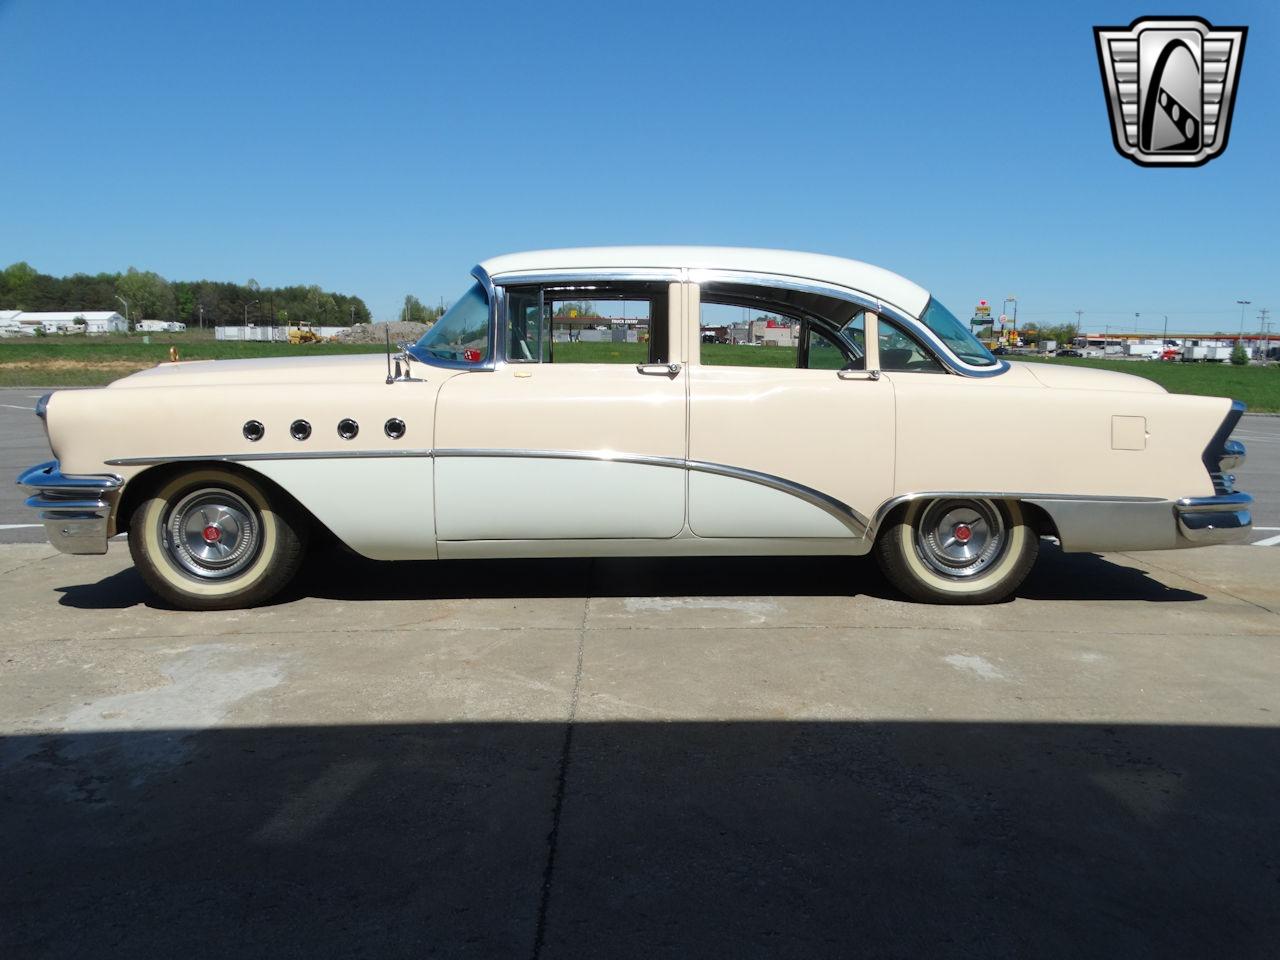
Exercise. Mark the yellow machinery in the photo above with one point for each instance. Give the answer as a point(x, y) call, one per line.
point(304, 334)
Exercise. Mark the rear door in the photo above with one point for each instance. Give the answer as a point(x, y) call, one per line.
point(782, 394)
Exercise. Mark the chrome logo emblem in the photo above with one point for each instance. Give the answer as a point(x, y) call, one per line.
point(1170, 84)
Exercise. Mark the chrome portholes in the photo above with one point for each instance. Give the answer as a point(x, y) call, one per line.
point(300, 430)
point(960, 539)
point(348, 428)
point(394, 428)
point(212, 534)
point(253, 430)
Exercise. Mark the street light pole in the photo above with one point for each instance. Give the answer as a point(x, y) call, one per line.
point(246, 310)
point(1243, 304)
point(126, 308)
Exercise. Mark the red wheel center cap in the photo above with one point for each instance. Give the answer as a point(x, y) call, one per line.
point(212, 534)
point(963, 532)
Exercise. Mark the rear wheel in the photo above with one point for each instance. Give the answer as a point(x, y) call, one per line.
point(211, 539)
point(958, 550)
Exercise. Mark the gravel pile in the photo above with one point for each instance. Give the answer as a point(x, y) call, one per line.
point(377, 332)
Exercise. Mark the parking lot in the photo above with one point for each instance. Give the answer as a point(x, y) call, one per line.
point(726, 758)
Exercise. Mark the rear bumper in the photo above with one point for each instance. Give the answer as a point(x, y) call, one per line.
point(1224, 518)
point(76, 510)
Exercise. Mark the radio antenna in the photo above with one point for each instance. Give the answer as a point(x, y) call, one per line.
point(387, 331)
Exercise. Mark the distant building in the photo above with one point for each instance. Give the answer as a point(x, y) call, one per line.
point(63, 321)
point(160, 326)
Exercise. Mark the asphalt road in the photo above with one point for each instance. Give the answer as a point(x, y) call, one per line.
point(22, 444)
point(745, 758)
point(554, 759)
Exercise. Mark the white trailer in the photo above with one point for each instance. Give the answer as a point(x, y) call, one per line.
point(1218, 354)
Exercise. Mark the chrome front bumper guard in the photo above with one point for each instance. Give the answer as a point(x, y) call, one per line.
point(1221, 519)
point(76, 510)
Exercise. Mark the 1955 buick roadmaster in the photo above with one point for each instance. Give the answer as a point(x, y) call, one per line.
point(631, 401)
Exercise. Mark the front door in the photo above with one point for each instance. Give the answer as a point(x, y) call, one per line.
point(579, 434)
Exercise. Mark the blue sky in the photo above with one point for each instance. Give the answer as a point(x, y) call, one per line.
point(383, 148)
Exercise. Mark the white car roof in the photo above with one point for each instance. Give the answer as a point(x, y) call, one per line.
point(882, 284)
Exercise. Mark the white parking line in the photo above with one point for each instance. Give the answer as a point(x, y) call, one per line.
point(1269, 542)
point(20, 526)
point(12, 406)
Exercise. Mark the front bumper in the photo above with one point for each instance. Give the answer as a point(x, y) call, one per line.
point(1224, 518)
point(76, 510)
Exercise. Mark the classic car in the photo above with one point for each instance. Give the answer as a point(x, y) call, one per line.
point(567, 405)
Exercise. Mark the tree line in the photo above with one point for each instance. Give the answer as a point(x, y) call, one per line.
point(194, 302)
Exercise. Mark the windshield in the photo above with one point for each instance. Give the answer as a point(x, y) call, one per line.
point(462, 332)
point(956, 335)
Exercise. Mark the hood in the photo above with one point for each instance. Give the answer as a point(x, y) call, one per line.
point(1071, 377)
point(344, 368)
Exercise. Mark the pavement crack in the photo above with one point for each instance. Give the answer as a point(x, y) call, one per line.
point(562, 778)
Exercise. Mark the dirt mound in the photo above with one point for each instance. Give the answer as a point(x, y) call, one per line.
point(377, 332)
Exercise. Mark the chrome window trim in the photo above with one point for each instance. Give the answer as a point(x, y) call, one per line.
point(580, 274)
point(868, 301)
point(498, 319)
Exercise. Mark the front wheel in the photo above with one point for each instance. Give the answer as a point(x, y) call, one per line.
point(212, 539)
point(958, 550)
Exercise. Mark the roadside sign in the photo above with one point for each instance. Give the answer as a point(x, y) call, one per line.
point(983, 309)
point(1004, 318)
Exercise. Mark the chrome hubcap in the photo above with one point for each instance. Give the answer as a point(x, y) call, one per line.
point(960, 538)
point(212, 534)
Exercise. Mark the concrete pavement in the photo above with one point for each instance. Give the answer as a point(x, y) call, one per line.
point(642, 758)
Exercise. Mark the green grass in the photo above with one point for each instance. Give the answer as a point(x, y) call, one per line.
point(89, 351)
point(1258, 387)
point(94, 361)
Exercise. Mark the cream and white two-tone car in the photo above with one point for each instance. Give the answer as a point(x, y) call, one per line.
point(567, 405)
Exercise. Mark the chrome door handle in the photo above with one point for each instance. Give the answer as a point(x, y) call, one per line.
point(858, 374)
point(658, 369)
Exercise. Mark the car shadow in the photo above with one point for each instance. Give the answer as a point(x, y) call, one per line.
point(337, 574)
point(1088, 576)
point(715, 839)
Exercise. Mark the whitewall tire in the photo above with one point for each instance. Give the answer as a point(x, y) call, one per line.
point(959, 550)
point(213, 539)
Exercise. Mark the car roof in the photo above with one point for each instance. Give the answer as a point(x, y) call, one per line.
point(882, 284)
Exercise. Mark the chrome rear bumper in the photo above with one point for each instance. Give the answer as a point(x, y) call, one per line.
point(1224, 518)
point(76, 510)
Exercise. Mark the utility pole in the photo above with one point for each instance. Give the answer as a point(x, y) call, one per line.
point(1079, 321)
point(1264, 326)
point(202, 316)
point(1164, 341)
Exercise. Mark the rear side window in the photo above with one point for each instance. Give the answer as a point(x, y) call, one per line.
point(902, 353)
